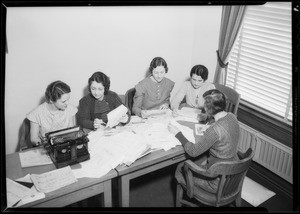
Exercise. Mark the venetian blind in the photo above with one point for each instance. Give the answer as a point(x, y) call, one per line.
point(260, 64)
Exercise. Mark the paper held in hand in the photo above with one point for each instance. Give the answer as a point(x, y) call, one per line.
point(115, 116)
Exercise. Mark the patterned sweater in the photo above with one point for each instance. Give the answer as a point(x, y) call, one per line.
point(90, 108)
point(221, 139)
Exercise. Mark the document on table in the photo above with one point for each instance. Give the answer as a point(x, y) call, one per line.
point(18, 194)
point(34, 157)
point(188, 114)
point(186, 131)
point(115, 115)
point(53, 180)
point(153, 113)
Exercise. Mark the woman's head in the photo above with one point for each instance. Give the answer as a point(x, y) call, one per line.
point(99, 84)
point(58, 93)
point(199, 75)
point(158, 68)
point(214, 102)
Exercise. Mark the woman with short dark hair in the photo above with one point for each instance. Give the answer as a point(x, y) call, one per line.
point(52, 115)
point(220, 139)
point(193, 89)
point(94, 107)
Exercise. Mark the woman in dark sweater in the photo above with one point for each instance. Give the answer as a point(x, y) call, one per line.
point(220, 139)
point(94, 107)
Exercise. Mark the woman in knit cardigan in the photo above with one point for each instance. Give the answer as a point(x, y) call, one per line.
point(94, 107)
point(220, 139)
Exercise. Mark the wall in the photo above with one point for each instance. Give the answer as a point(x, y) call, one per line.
point(71, 43)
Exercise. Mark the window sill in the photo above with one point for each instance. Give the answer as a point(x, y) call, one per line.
point(267, 125)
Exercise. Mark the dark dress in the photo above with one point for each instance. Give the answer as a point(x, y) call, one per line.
point(91, 108)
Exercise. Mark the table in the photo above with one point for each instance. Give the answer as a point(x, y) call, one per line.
point(82, 189)
point(149, 163)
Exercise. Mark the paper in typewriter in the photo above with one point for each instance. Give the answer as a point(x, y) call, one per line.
point(53, 180)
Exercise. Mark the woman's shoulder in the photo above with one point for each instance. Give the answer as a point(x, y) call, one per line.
point(111, 94)
point(168, 81)
point(86, 98)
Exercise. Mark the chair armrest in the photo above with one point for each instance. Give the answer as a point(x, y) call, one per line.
point(189, 169)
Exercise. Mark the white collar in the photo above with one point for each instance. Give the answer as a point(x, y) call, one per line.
point(220, 115)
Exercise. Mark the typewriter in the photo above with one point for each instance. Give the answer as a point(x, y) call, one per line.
point(67, 146)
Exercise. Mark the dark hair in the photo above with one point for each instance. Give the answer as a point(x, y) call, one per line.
point(214, 102)
point(100, 77)
point(158, 61)
point(200, 70)
point(55, 90)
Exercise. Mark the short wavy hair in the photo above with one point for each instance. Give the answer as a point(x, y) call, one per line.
point(55, 90)
point(100, 77)
point(214, 102)
point(200, 70)
point(158, 61)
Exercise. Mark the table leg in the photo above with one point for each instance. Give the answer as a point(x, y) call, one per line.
point(124, 191)
point(107, 194)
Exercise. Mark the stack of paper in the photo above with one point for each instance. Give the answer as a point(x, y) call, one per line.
point(18, 194)
point(53, 180)
point(34, 157)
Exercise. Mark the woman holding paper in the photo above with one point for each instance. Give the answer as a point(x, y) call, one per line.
point(52, 115)
point(220, 139)
point(94, 107)
point(153, 93)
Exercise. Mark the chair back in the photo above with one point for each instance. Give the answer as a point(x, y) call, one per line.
point(129, 99)
point(233, 97)
point(24, 141)
point(231, 176)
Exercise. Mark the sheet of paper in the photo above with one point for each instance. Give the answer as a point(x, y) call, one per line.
point(186, 131)
point(153, 113)
point(201, 128)
point(34, 157)
point(53, 180)
point(189, 112)
point(115, 115)
point(18, 194)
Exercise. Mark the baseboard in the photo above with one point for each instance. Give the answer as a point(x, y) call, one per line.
point(272, 179)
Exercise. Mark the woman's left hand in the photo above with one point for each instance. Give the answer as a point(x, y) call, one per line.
point(173, 129)
point(124, 118)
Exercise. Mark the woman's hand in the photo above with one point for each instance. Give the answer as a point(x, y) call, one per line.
point(98, 123)
point(173, 129)
point(124, 118)
point(164, 106)
point(175, 112)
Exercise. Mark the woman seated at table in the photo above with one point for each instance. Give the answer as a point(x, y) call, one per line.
point(52, 115)
point(220, 139)
point(154, 91)
point(94, 107)
point(193, 89)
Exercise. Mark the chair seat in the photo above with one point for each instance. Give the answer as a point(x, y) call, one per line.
point(208, 198)
point(228, 187)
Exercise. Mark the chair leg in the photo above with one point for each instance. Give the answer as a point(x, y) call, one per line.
point(238, 200)
point(179, 194)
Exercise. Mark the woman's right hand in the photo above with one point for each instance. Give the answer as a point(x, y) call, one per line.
point(98, 123)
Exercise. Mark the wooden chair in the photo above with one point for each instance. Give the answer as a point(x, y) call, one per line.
point(231, 174)
point(24, 141)
point(129, 99)
point(233, 97)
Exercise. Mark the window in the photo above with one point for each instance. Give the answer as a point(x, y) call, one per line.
point(260, 64)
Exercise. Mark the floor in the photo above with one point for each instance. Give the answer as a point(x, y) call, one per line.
point(157, 190)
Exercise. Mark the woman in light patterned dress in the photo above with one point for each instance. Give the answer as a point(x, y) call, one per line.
point(54, 114)
point(154, 91)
